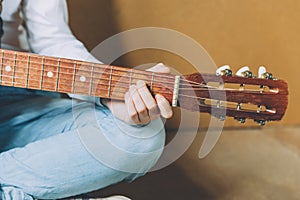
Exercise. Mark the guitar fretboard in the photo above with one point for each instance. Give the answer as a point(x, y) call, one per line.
point(26, 70)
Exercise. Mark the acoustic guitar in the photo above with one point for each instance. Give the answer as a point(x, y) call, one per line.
point(242, 96)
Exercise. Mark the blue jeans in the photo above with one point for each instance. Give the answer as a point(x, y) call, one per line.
point(53, 147)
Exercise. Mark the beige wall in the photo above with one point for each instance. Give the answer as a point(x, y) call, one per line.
point(234, 32)
point(257, 164)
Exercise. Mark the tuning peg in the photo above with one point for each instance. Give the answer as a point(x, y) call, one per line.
point(259, 109)
point(245, 72)
point(261, 122)
point(262, 73)
point(224, 71)
point(222, 118)
point(242, 120)
point(242, 70)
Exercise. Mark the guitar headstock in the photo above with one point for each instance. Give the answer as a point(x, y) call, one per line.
point(241, 96)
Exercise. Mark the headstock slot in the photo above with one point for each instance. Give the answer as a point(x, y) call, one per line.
point(241, 87)
point(236, 106)
point(219, 112)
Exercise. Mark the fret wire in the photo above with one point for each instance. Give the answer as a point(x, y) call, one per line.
point(116, 95)
point(14, 73)
point(152, 81)
point(43, 68)
point(119, 90)
point(120, 85)
point(122, 93)
point(115, 75)
point(130, 81)
point(97, 66)
point(81, 87)
point(118, 80)
point(199, 89)
point(58, 70)
point(2, 65)
point(116, 92)
point(28, 65)
point(91, 80)
point(121, 69)
point(116, 70)
point(145, 78)
point(110, 80)
point(74, 77)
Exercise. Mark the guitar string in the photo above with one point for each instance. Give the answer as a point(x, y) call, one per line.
point(201, 85)
point(195, 97)
point(114, 92)
point(191, 87)
point(189, 96)
point(115, 75)
point(127, 70)
point(93, 82)
point(100, 80)
point(119, 80)
point(120, 87)
point(195, 84)
point(106, 73)
point(137, 72)
point(83, 63)
point(121, 93)
point(96, 66)
point(233, 108)
point(78, 90)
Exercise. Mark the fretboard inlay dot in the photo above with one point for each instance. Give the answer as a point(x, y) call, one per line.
point(82, 78)
point(8, 68)
point(50, 74)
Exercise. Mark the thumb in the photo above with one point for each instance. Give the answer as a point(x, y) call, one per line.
point(160, 68)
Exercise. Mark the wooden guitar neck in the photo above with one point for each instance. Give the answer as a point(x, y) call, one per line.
point(262, 99)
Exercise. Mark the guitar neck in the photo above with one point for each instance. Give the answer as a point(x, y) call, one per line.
point(265, 99)
point(32, 71)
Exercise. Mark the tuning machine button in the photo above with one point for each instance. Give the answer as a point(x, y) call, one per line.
point(224, 71)
point(242, 120)
point(262, 73)
point(261, 122)
point(239, 106)
point(241, 72)
point(245, 72)
point(269, 76)
point(222, 118)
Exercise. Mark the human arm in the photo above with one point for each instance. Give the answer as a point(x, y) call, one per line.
point(49, 34)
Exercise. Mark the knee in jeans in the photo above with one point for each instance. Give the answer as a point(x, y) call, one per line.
point(146, 145)
point(144, 139)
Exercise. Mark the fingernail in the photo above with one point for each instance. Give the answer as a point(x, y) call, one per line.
point(159, 97)
point(140, 83)
point(132, 88)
